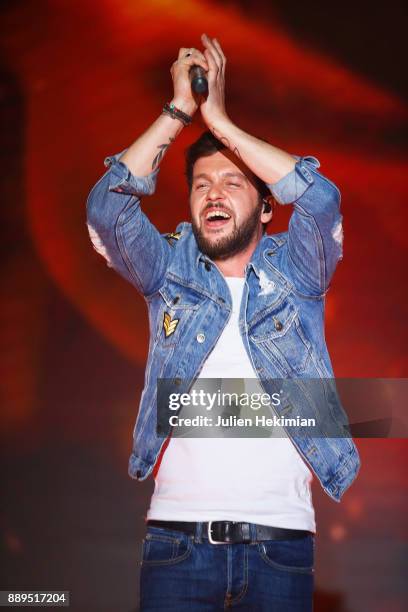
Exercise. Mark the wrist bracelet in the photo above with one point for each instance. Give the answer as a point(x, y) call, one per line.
point(176, 113)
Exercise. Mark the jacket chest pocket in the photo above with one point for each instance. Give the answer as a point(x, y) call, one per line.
point(178, 307)
point(279, 336)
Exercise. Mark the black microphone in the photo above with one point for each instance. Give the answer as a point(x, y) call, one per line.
point(198, 79)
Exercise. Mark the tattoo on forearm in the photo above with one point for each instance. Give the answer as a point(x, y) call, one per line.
point(225, 142)
point(163, 148)
point(221, 138)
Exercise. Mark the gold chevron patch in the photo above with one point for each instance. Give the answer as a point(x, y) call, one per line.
point(169, 325)
point(172, 236)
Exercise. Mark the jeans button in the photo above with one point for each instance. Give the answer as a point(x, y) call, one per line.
point(200, 338)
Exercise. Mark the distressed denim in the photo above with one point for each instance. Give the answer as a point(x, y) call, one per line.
point(282, 311)
point(181, 572)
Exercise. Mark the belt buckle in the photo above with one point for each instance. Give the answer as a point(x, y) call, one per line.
point(210, 538)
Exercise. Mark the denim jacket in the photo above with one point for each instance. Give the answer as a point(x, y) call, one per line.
point(282, 311)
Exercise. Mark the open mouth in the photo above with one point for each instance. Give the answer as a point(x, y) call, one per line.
point(216, 218)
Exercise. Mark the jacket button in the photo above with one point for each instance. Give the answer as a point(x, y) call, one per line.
point(278, 326)
point(177, 381)
point(200, 338)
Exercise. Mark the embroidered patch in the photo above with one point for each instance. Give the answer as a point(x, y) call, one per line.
point(266, 284)
point(172, 236)
point(169, 325)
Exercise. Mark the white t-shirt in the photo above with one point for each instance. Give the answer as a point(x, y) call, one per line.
point(260, 480)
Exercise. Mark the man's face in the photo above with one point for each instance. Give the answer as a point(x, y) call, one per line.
point(226, 211)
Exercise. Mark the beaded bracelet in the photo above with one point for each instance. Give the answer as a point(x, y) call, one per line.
point(176, 113)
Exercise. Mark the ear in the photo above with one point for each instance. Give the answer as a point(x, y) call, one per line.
point(268, 209)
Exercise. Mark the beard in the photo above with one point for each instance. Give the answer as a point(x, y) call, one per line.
point(227, 246)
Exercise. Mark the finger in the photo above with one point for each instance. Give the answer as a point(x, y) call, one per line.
point(220, 51)
point(186, 54)
point(199, 58)
point(182, 52)
point(213, 68)
point(195, 61)
point(216, 55)
point(210, 46)
point(195, 58)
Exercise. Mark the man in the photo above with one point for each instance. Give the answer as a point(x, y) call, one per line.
point(231, 522)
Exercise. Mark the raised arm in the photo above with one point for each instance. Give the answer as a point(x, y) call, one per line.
point(144, 155)
point(266, 161)
point(118, 228)
point(315, 230)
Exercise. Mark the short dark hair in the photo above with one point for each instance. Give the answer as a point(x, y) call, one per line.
point(207, 144)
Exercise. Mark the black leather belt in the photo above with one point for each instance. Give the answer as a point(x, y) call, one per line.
point(231, 532)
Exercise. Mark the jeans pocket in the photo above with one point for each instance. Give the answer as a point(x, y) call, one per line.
point(289, 555)
point(165, 548)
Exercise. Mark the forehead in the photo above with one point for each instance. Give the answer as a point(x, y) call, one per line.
point(220, 163)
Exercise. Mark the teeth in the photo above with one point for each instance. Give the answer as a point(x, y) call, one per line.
point(217, 213)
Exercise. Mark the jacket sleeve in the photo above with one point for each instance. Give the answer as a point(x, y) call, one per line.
point(315, 235)
point(121, 232)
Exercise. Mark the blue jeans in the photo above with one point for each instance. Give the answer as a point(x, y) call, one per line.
point(181, 572)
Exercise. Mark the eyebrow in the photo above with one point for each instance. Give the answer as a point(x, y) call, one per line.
point(224, 174)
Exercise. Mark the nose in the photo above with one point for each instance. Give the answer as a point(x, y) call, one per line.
point(215, 192)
